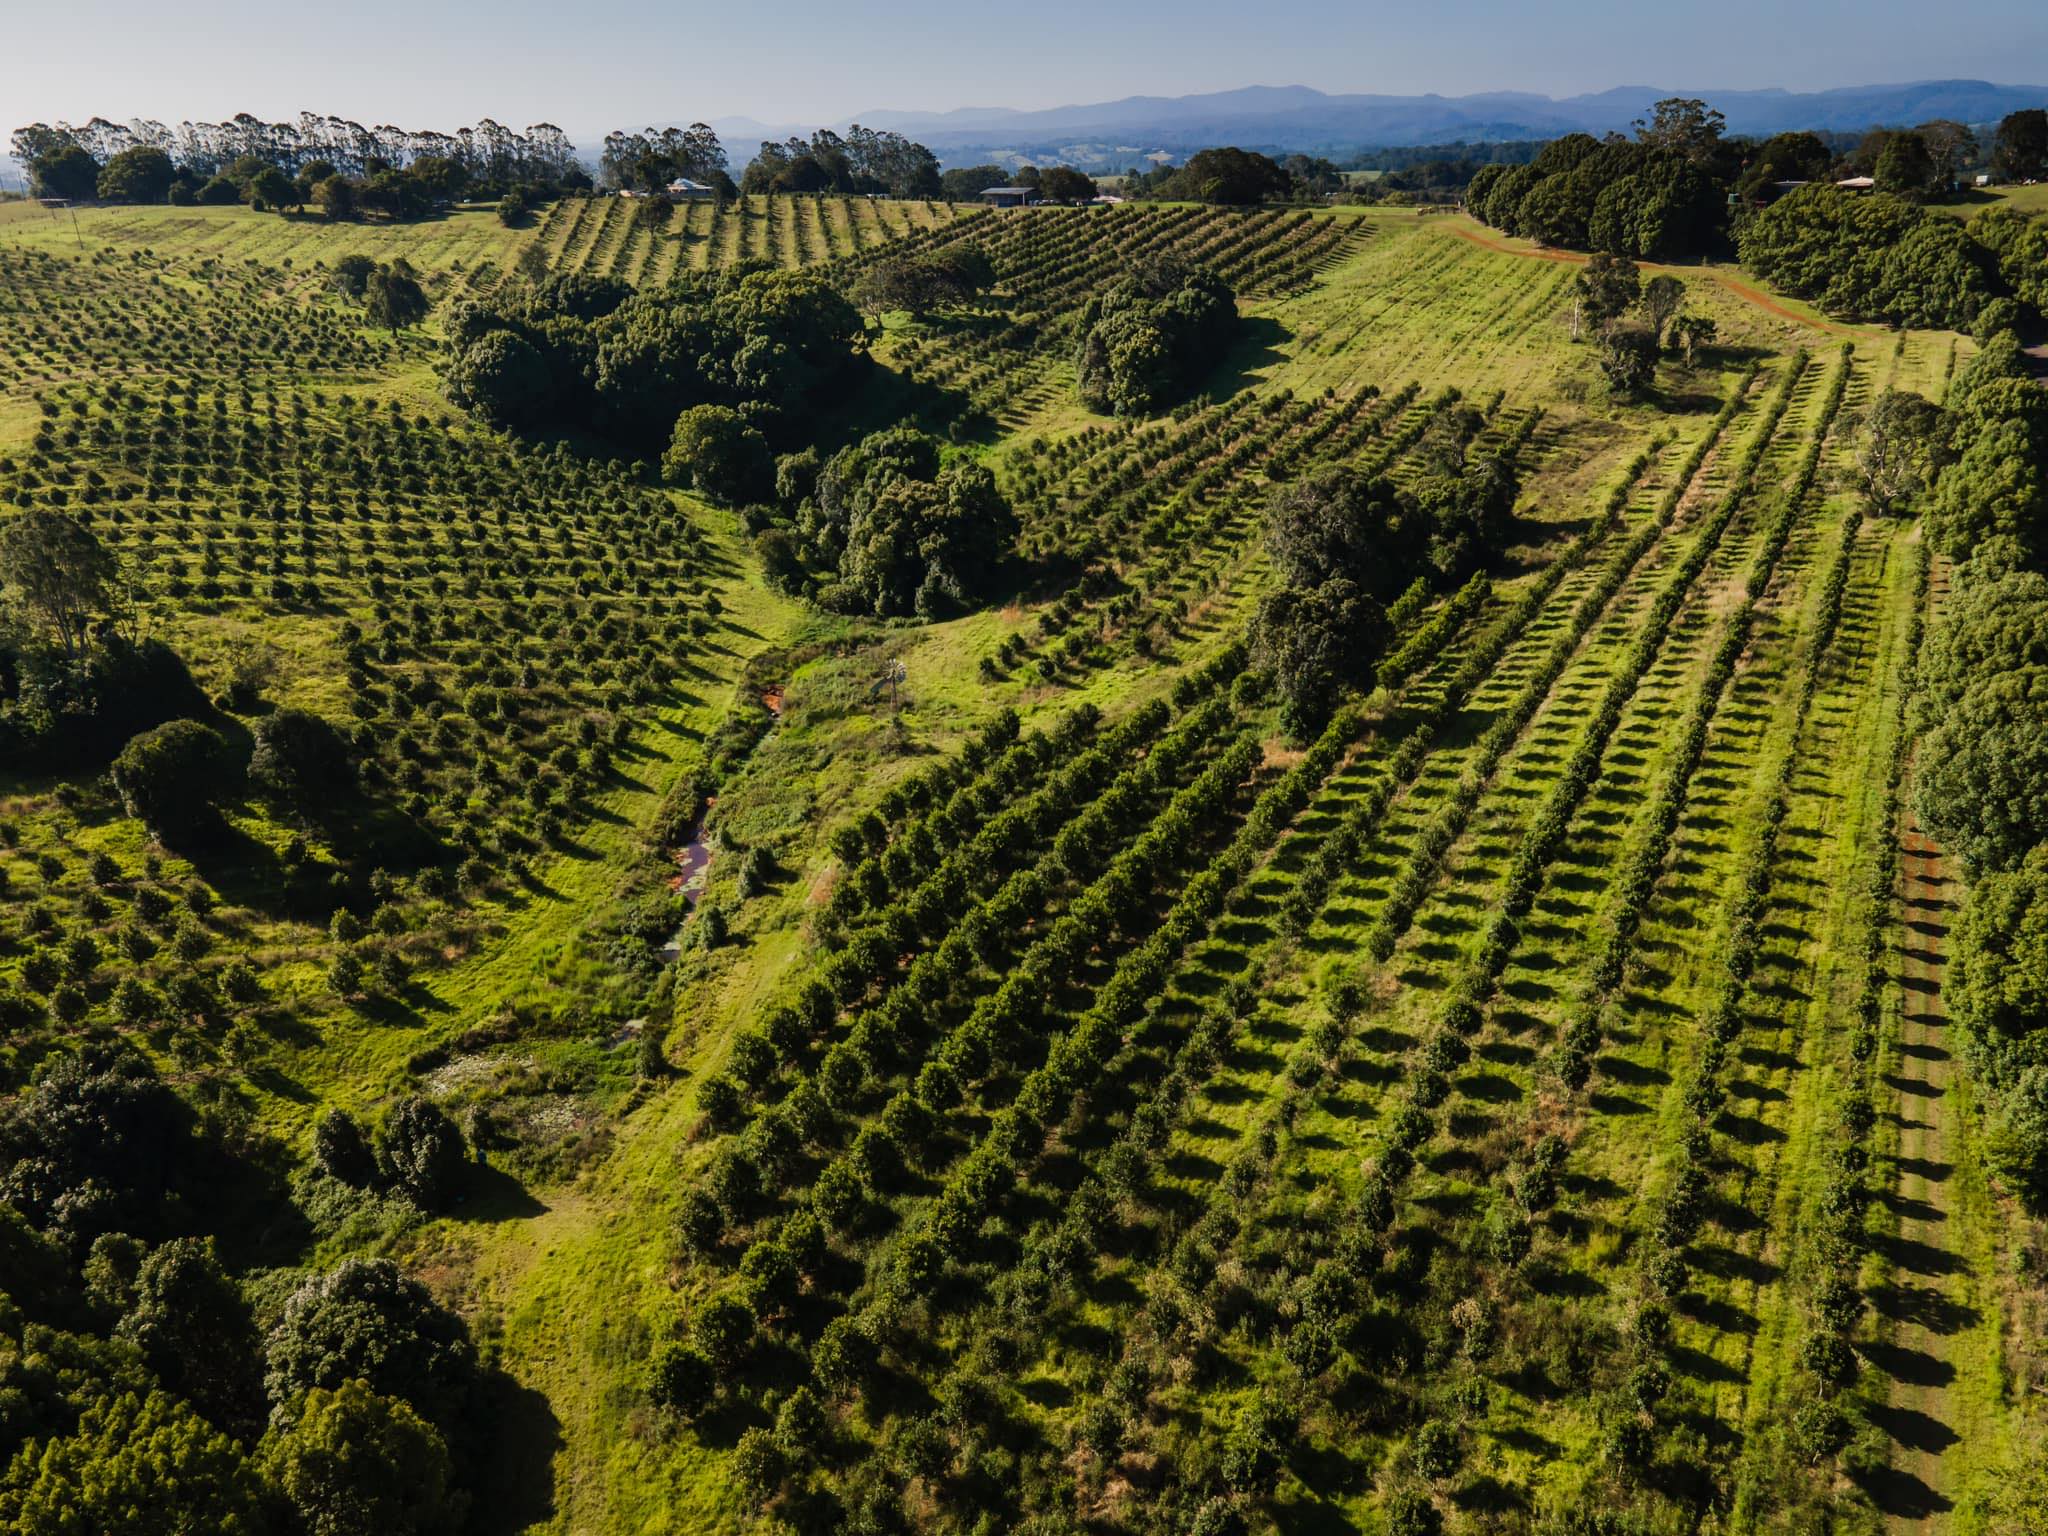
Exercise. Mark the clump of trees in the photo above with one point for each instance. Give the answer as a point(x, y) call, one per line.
point(717, 452)
point(963, 184)
point(2020, 150)
point(389, 291)
point(135, 1373)
point(573, 350)
point(419, 1154)
point(1869, 257)
point(172, 778)
point(1227, 175)
point(2018, 248)
point(1633, 322)
point(79, 674)
point(921, 283)
point(649, 160)
point(1661, 195)
point(1348, 547)
point(860, 160)
point(1150, 338)
point(1668, 194)
point(897, 528)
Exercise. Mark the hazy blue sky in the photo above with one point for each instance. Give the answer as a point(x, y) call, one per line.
point(604, 63)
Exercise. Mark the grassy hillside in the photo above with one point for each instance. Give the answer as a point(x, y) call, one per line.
point(1263, 1131)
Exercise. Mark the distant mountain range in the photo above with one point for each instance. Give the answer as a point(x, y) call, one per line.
point(1290, 118)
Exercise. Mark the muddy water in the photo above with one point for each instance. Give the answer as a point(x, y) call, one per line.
point(693, 859)
point(693, 864)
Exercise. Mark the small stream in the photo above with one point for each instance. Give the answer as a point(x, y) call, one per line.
point(693, 865)
point(693, 859)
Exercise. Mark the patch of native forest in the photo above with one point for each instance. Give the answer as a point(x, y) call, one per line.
point(859, 864)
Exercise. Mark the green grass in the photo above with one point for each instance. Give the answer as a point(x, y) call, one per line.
point(1974, 200)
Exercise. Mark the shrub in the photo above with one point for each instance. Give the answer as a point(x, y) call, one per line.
point(724, 1330)
point(682, 1380)
point(342, 1151)
point(301, 758)
point(421, 1153)
point(172, 778)
point(352, 1463)
point(714, 451)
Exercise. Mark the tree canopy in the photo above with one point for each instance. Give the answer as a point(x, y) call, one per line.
point(921, 283)
point(1148, 339)
point(860, 160)
point(173, 777)
point(365, 1321)
point(589, 351)
point(1228, 175)
point(352, 1463)
point(1868, 258)
point(905, 531)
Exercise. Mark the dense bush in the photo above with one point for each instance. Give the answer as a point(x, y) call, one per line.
point(349, 1462)
point(1999, 989)
point(173, 778)
point(189, 1320)
point(1868, 257)
point(1629, 199)
point(1238, 177)
point(421, 1153)
point(904, 531)
point(1981, 777)
point(92, 1146)
point(301, 758)
point(715, 451)
point(364, 1321)
point(1149, 339)
point(1345, 544)
point(920, 283)
point(628, 365)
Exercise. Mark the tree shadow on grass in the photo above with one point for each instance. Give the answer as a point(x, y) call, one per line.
point(493, 1195)
point(1899, 1493)
point(515, 1483)
point(1259, 339)
point(1915, 1367)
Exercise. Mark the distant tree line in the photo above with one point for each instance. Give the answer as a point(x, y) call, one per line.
point(1056, 184)
point(394, 171)
point(1682, 189)
point(649, 160)
point(864, 160)
point(1401, 159)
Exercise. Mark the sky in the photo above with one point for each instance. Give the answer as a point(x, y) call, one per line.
point(591, 65)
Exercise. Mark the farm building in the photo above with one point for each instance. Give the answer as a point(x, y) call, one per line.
point(683, 187)
point(1858, 183)
point(1007, 197)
